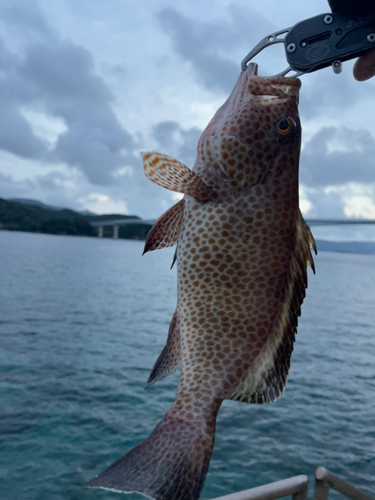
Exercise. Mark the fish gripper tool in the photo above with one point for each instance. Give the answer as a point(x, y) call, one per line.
point(324, 40)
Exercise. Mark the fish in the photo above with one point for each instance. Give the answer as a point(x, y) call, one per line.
point(243, 249)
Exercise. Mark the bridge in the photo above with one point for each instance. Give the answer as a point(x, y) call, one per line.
point(339, 222)
point(116, 223)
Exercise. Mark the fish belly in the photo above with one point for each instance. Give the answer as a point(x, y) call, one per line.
point(234, 266)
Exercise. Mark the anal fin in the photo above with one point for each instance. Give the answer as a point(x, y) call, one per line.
point(166, 229)
point(169, 359)
point(175, 176)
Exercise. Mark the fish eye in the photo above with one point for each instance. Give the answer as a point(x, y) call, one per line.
point(285, 126)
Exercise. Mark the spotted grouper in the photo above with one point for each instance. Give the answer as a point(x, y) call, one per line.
point(243, 250)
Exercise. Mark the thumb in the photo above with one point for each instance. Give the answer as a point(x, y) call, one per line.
point(364, 67)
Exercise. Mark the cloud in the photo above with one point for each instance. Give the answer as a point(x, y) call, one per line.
point(338, 155)
point(16, 135)
point(104, 204)
point(6, 59)
point(325, 94)
point(10, 188)
point(177, 142)
point(360, 207)
point(68, 189)
point(77, 107)
point(53, 188)
point(57, 78)
point(305, 206)
point(352, 200)
point(209, 46)
point(26, 18)
point(189, 40)
point(322, 204)
point(94, 141)
point(44, 127)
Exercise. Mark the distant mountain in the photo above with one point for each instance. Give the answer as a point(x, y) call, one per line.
point(20, 214)
point(33, 216)
point(87, 212)
point(97, 218)
point(35, 203)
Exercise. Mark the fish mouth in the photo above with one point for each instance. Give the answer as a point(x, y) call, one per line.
point(262, 86)
point(252, 70)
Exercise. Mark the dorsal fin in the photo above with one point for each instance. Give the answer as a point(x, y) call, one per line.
point(170, 357)
point(166, 229)
point(309, 241)
point(175, 176)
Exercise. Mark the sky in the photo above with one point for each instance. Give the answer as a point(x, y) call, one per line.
point(86, 86)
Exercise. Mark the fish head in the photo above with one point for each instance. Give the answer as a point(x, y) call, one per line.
point(256, 134)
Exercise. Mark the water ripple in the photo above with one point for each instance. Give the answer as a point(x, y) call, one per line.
point(83, 321)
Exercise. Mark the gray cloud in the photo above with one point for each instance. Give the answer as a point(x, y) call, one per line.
point(325, 205)
point(16, 135)
point(70, 189)
point(26, 16)
point(6, 59)
point(327, 94)
point(9, 188)
point(208, 46)
point(176, 141)
point(336, 156)
point(44, 73)
point(189, 41)
point(214, 50)
point(49, 188)
point(58, 78)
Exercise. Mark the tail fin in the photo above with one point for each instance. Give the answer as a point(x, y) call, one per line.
point(170, 464)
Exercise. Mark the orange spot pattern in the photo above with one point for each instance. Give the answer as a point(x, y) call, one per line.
point(239, 254)
point(166, 229)
point(174, 175)
point(243, 249)
point(242, 255)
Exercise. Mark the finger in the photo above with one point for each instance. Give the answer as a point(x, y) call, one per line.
point(364, 67)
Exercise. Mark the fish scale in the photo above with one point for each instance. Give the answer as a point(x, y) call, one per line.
point(243, 252)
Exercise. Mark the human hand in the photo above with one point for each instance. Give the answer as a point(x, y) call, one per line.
point(364, 67)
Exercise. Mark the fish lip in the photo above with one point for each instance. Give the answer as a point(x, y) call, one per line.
point(281, 87)
point(276, 84)
point(252, 70)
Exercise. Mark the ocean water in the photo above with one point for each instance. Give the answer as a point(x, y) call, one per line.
point(82, 322)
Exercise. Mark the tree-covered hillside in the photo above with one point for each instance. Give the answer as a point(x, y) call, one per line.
point(16, 216)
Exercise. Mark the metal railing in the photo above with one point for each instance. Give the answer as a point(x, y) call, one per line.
point(325, 479)
point(297, 486)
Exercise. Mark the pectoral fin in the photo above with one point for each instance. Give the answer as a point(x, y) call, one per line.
point(166, 229)
point(175, 176)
